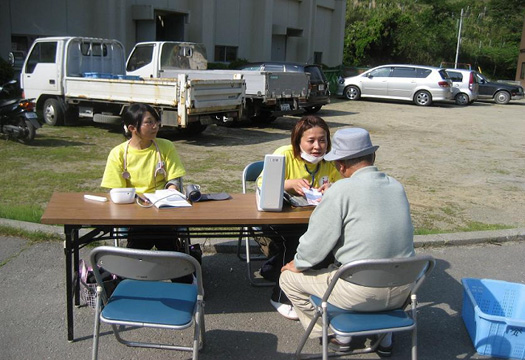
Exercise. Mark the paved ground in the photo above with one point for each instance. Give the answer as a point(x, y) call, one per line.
point(240, 323)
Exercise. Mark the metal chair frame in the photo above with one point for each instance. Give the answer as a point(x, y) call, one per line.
point(250, 174)
point(378, 273)
point(138, 305)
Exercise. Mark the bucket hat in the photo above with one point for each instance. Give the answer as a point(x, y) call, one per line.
point(350, 143)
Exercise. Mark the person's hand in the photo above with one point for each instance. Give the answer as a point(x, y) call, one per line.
point(172, 187)
point(291, 267)
point(324, 187)
point(296, 186)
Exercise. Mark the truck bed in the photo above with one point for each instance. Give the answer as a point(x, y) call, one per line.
point(198, 96)
point(267, 85)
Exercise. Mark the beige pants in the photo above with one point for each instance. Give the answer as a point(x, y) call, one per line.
point(299, 286)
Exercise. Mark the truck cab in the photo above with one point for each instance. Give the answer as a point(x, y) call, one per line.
point(152, 59)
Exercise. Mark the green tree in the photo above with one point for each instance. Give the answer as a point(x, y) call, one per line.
point(426, 32)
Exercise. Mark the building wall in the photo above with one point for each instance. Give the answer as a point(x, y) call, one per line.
point(520, 68)
point(293, 29)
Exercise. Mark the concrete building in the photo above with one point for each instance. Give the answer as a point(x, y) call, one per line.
point(257, 30)
point(520, 68)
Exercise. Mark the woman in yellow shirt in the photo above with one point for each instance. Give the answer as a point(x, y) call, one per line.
point(304, 169)
point(145, 163)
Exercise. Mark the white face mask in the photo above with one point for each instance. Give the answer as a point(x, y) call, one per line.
point(310, 158)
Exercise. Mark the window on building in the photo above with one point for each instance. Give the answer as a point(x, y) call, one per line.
point(318, 57)
point(522, 72)
point(225, 53)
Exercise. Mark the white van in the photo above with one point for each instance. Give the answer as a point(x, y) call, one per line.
point(465, 87)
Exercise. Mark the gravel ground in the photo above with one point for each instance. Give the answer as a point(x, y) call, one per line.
point(459, 164)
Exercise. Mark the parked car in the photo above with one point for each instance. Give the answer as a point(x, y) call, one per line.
point(500, 92)
point(465, 87)
point(319, 87)
point(417, 83)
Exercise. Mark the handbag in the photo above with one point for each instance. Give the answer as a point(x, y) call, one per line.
point(88, 283)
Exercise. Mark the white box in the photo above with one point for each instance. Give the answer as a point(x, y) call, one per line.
point(270, 195)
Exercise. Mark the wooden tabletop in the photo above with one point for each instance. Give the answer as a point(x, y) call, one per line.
point(241, 209)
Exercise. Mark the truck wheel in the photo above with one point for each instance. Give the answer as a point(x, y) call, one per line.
point(502, 97)
point(107, 119)
point(193, 129)
point(263, 119)
point(312, 109)
point(53, 113)
point(71, 115)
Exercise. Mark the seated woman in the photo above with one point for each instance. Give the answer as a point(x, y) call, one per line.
point(304, 169)
point(146, 164)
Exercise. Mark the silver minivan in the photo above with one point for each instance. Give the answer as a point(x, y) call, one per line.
point(418, 83)
point(465, 87)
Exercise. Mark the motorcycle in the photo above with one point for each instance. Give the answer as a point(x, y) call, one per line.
point(17, 119)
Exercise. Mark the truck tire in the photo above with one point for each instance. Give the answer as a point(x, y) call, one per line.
point(502, 97)
point(53, 113)
point(193, 129)
point(312, 109)
point(71, 115)
point(107, 119)
point(263, 119)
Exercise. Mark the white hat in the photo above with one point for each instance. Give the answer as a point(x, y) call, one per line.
point(350, 143)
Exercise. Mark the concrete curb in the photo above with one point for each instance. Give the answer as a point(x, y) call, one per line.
point(230, 245)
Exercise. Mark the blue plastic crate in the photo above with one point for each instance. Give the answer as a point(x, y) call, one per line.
point(494, 314)
point(98, 75)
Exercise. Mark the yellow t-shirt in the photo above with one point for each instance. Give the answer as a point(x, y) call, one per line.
point(141, 165)
point(296, 168)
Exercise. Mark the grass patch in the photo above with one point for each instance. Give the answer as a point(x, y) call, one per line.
point(471, 226)
point(32, 236)
point(31, 213)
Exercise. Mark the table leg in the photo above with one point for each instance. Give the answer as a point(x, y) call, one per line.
point(68, 231)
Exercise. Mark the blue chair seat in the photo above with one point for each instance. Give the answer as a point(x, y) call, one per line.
point(159, 303)
point(347, 321)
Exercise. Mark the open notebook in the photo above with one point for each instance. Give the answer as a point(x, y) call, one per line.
point(167, 199)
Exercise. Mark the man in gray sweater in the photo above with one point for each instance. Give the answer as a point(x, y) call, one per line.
point(366, 215)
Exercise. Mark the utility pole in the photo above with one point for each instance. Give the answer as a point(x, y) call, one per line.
point(459, 39)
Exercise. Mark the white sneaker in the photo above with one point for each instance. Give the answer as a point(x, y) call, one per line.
point(285, 310)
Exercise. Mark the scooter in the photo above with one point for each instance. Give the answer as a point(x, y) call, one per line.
point(17, 119)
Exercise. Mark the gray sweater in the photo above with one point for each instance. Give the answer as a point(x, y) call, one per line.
point(366, 216)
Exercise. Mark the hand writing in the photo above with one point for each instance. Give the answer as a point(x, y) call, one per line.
point(296, 186)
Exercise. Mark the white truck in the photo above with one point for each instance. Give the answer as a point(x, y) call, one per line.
point(72, 77)
point(268, 94)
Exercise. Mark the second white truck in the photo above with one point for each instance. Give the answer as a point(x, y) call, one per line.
point(268, 94)
point(72, 77)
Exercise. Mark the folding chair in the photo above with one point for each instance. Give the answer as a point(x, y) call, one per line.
point(144, 298)
point(377, 273)
point(250, 174)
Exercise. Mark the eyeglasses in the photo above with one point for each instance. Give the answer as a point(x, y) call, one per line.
point(151, 123)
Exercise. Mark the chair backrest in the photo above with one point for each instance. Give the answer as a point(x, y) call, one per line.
point(251, 172)
point(386, 272)
point(144, 264)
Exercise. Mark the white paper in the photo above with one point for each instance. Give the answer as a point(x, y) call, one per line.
point(167, 198)
point(312, 196)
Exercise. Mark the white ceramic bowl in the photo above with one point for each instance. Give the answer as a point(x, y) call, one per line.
point(122, 195)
